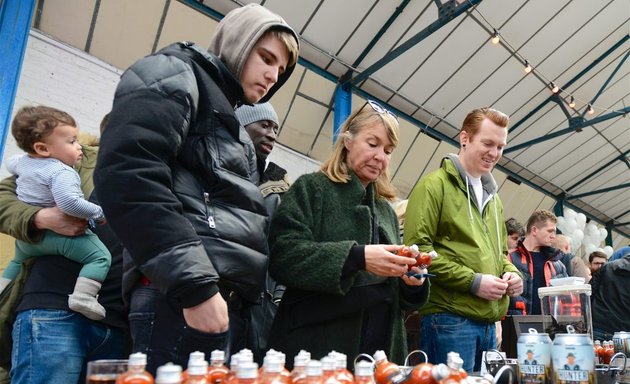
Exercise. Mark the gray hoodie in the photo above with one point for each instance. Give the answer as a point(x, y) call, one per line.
point(237, 34)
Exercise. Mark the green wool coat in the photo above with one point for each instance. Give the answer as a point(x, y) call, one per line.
point(312, 233)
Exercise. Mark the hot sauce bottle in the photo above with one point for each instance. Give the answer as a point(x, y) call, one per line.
point(423, 259)
point(386, 372)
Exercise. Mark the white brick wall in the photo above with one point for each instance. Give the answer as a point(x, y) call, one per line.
point(69, 79)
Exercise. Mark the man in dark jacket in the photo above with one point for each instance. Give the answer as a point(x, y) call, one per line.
point(537, 260)
point(262, 124)
point(178, 187)
point(611, 298)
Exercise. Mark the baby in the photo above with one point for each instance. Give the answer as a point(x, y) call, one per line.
point(46, 178)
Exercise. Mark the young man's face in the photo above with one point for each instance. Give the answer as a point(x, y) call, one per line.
point(265, 63)
point(480, 153)
point(512, 240)
point(597, 263)
point(263, 134)
point(544, 234)
point(62, 144)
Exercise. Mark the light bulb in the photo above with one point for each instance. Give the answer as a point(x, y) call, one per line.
point(590, 110)
point(528, 68)
point(572, 102)
point(495, 37)
point(554, 88)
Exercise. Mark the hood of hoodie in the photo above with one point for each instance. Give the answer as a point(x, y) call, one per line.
point(239, 31)
point(621, 266)
point(487, 181)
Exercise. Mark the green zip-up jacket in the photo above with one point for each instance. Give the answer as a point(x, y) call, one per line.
point(442, 215)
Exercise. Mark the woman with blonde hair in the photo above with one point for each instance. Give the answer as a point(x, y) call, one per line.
point(333, 244)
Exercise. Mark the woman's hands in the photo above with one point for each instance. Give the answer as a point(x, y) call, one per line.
point(381, 260)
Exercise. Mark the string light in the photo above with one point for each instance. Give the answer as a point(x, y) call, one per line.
point(495, 37)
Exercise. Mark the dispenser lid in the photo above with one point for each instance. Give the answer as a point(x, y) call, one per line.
point(564, 290)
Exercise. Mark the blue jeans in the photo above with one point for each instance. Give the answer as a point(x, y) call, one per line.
point(54, 346)
point(158, 328)
point(441, 333)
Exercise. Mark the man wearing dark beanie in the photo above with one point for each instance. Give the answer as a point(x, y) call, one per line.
point(262, 125)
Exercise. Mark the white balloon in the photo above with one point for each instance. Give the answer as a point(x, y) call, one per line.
point(591, 228)
point(608, 250)
point(578, 235)
point(602, 234)
point(571, 225)
point(561, 224)
point(590, 239)
point(589, 248)
point(581, 220)
point(575, 245)
point(570, 214)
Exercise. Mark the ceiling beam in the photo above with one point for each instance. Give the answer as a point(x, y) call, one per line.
point(577, 126)
point(612, 74)
point(570, 82)
point(407, 45)
point(598, 191)
point(376, 38)
point(598, 170)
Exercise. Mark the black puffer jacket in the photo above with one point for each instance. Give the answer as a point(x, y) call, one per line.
point(611, 296)
point(176, 181)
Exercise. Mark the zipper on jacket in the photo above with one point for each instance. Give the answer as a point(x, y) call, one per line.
point(211, 223)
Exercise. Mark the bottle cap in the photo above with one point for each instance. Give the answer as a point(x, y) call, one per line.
point(217, 355)
point(196, 356)
point(313, 368)
point(440, 372)
point(197, 368)
point(341, 360)
point(169, 374)
point(364, 368)
point(328, 363)
point(137, 358)
point(300, 360)
point(380, 355)
point(247, 370)
point(272, 363)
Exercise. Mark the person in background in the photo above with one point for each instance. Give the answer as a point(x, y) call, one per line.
point(59, 352)
point(179, 186)
point(537, 261)
point(333, 244)
point(46, 178)
point(621, 252)
point(575, 266)
point(515, 232)
point(596, 260)
point(610, 298)
point(456, 212)
point(262, 124)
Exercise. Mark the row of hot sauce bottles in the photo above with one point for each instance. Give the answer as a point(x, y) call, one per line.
point(329, 370)
point(569, 355)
